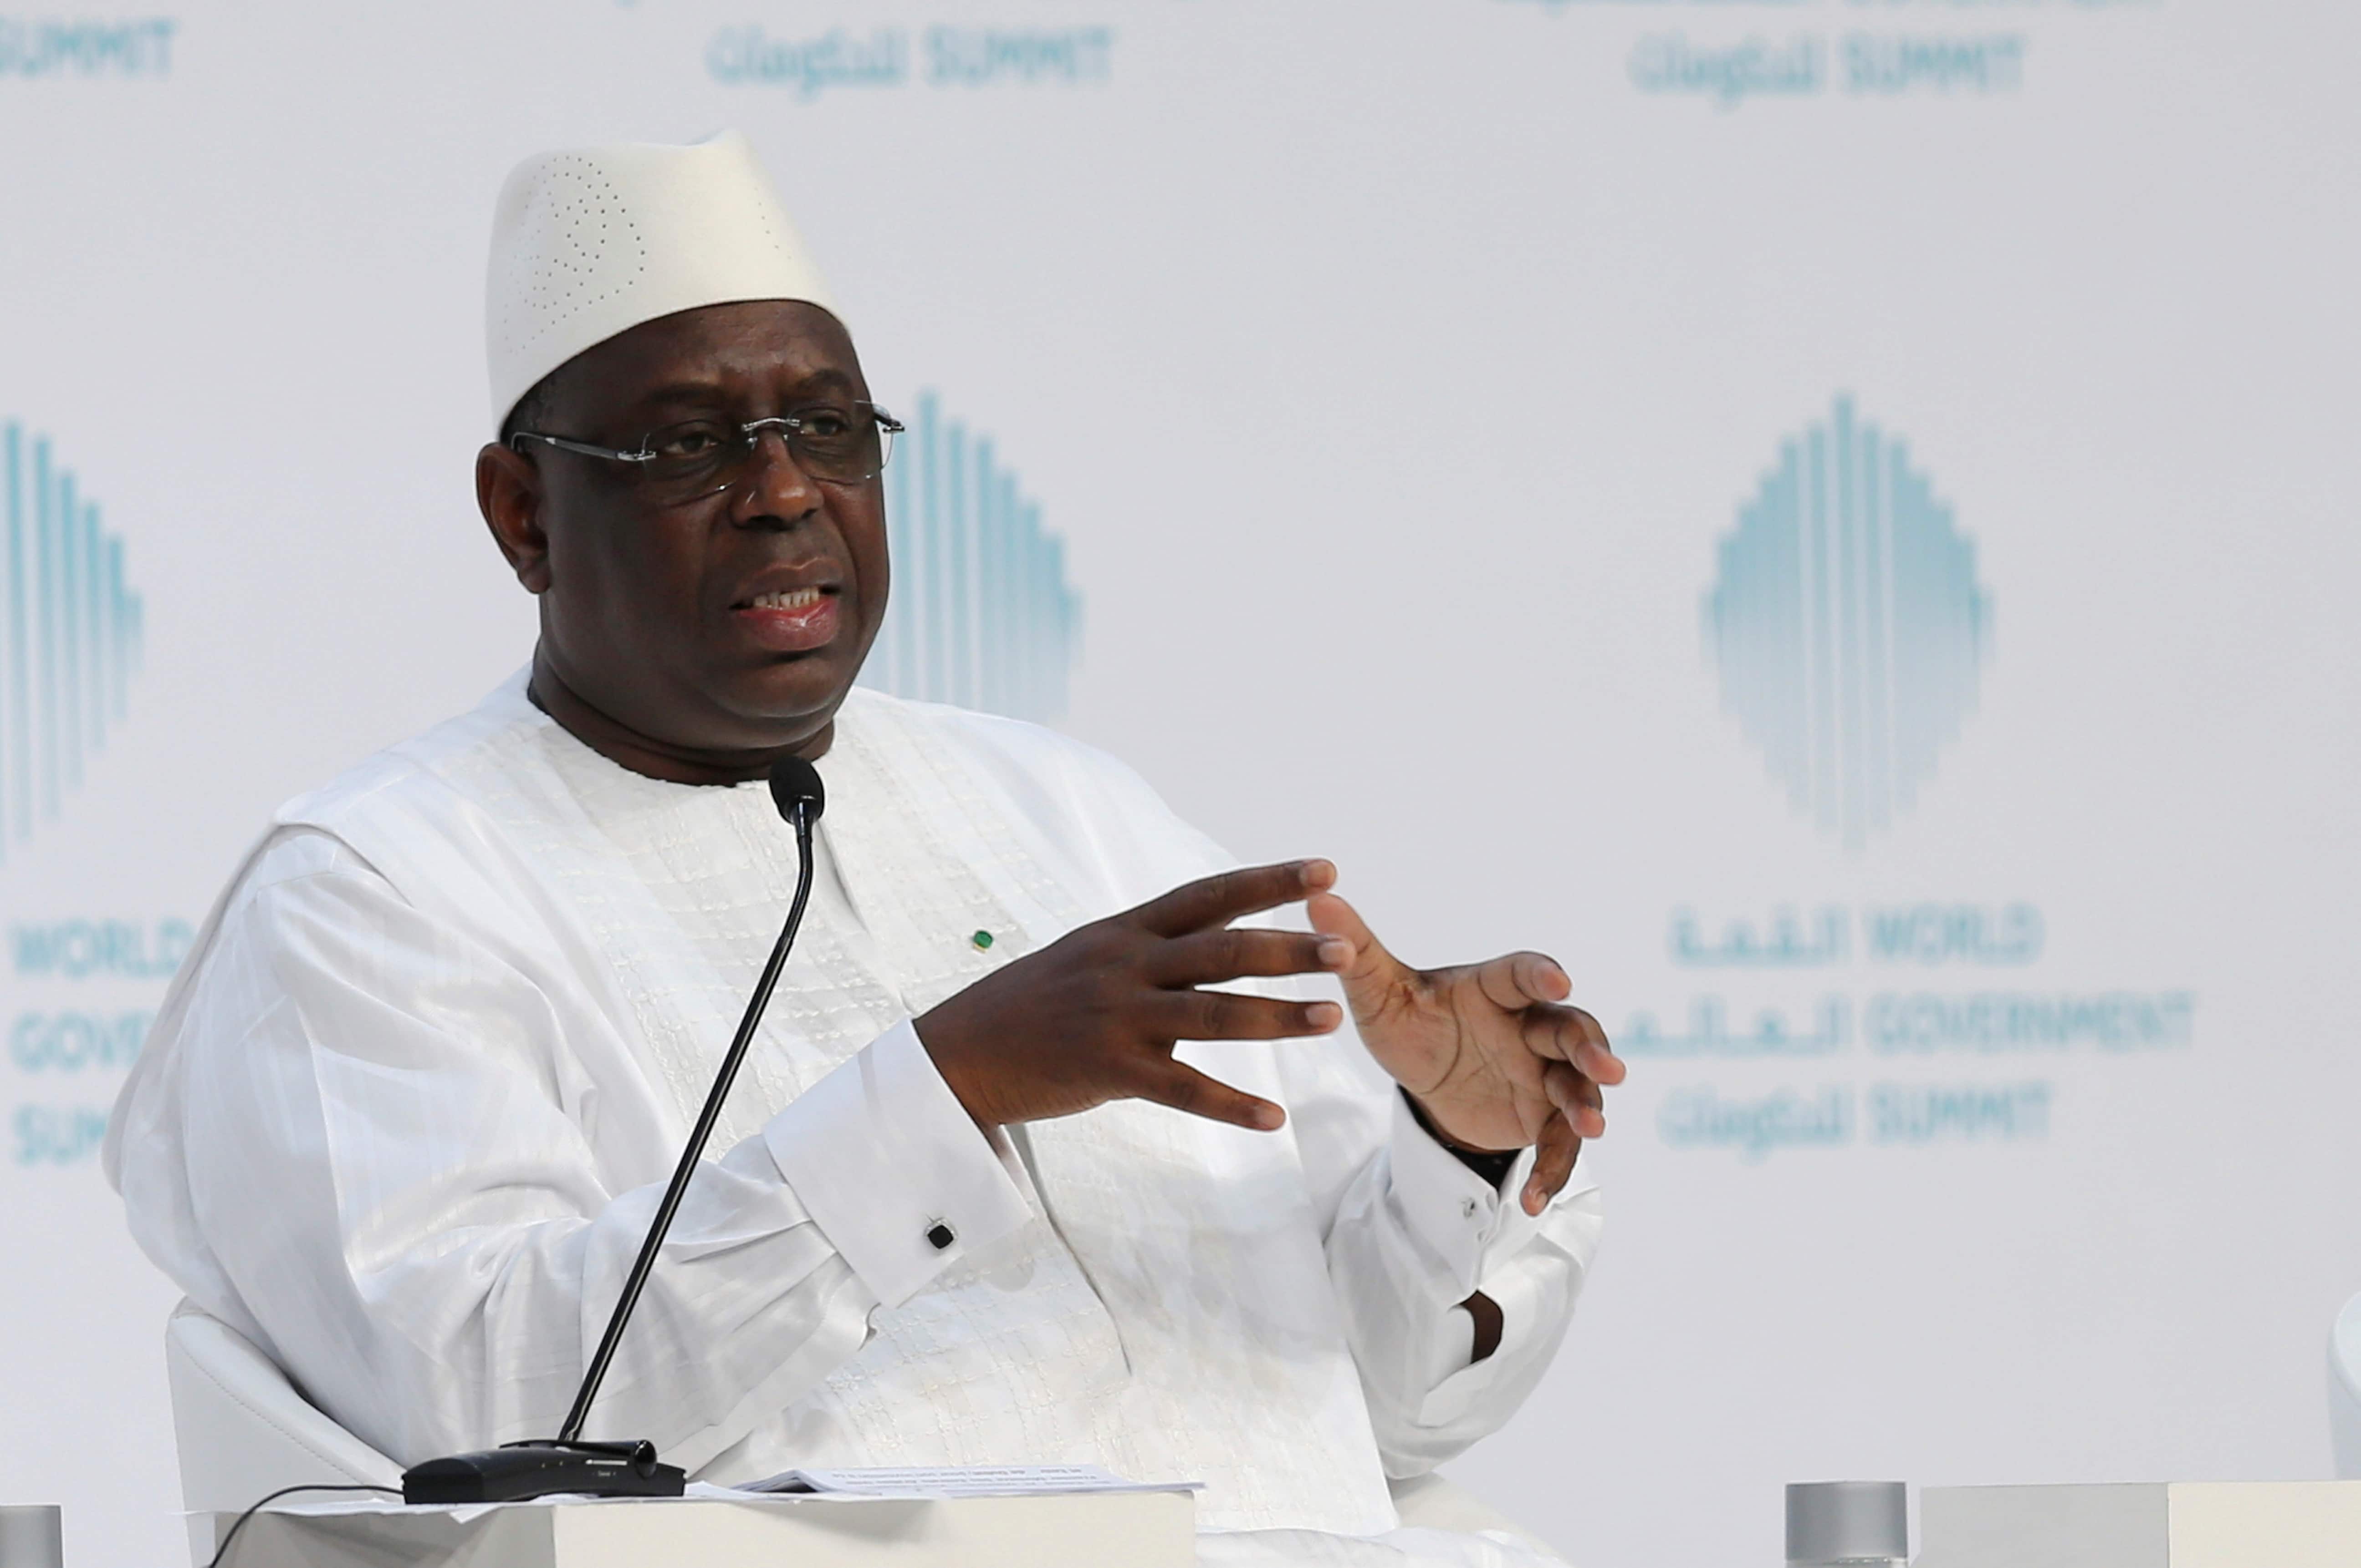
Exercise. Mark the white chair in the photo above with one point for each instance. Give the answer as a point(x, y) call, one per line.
point(2344, 1391)
point(244, 1431)
point(1430, 1502)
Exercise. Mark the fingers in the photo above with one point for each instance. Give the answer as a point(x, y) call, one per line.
point(1577, 1116)
point(1331, 917)
point(1577, 1099)
point(1552, 1164)
point(1520, 980)
point(1185, 1089)
point(1227, 1015)
point(1209, 958)
point(1218, 900)
point(1570, 1035)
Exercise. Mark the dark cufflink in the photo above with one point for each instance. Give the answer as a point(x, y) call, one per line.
point(941, 1235)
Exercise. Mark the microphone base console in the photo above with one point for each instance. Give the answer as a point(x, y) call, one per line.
point(518, 1472)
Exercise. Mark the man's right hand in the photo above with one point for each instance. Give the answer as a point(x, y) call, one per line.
point(1094, 1015)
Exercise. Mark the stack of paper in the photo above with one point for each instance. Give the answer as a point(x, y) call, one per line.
point(963, 1481)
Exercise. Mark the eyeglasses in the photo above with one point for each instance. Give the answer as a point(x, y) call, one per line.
point(702, 457)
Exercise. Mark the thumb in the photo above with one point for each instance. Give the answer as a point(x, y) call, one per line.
point(1373, 970)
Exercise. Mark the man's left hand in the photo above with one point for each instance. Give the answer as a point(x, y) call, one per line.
point(1490, 1051)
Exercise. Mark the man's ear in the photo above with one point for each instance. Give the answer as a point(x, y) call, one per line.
point(508, 492)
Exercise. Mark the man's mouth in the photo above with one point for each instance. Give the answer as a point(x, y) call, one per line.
point(791, 621)
point(786, 599)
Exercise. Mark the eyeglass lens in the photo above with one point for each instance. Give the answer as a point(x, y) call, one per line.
point(699, 456)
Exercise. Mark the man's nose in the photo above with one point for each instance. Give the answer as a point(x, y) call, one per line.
point(775, 490)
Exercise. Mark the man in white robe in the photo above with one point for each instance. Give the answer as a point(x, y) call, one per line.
point(1003, 1182)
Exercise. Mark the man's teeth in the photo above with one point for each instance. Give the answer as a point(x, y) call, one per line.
point(790, 599)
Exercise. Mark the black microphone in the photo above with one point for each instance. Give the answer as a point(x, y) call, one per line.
point(569, 1464)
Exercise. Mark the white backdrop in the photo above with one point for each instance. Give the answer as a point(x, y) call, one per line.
point(1956, 830)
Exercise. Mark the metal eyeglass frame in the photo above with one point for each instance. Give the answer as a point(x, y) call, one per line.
point(787, 425)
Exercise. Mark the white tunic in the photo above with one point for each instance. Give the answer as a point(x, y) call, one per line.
point(406, 1111)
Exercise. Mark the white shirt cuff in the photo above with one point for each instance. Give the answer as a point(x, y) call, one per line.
point(1455, 1213)
point(893, 1170)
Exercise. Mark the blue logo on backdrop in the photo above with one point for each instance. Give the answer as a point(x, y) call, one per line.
point(1848, 624)
point(982, 615)
point(47, 46)
point(69, 635)
point(893, 57)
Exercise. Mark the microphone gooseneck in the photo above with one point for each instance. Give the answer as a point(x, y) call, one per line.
point(570, 1465)
point(796, 791)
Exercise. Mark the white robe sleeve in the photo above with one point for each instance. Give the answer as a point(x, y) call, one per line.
point(1414, 1234)
point(443, 1248)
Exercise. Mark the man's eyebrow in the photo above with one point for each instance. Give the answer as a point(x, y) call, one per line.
point(829, 380)
point(680, 392)
point(711, 392)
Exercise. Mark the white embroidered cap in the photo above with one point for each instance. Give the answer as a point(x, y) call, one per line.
point(589, 242)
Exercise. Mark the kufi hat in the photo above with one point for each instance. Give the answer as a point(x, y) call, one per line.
point(589, 242)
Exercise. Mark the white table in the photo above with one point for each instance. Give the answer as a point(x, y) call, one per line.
point(1140, 1529)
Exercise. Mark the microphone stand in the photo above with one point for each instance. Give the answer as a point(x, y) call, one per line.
point(569, 1464)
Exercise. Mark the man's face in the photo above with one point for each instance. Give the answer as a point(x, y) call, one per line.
point(724, 625)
